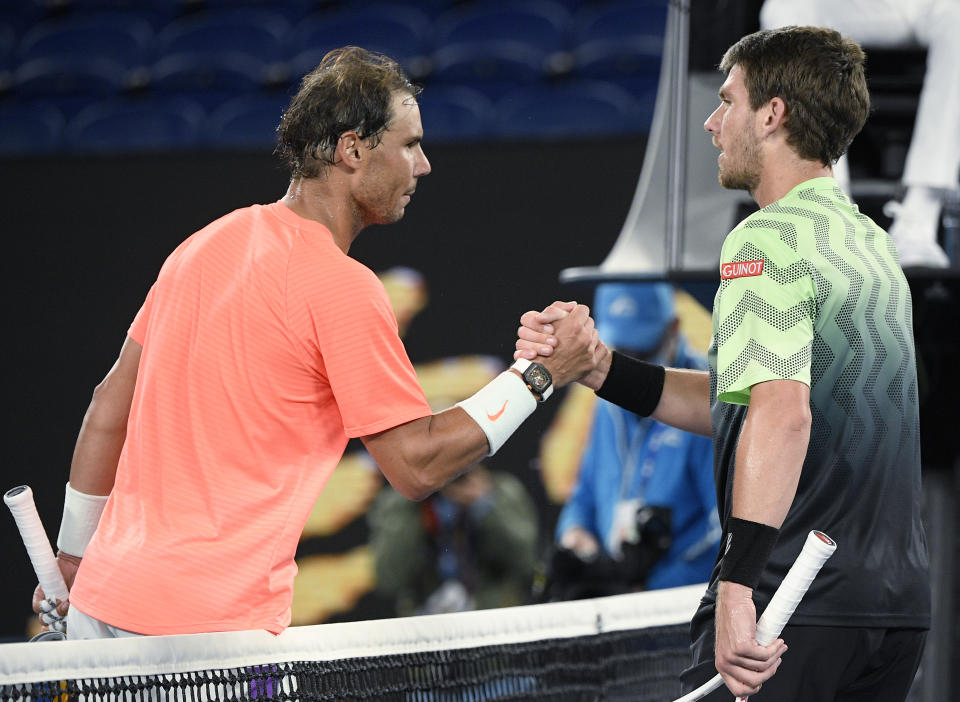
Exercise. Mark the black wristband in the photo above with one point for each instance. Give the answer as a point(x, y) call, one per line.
point(633, 384)
point(746, 551)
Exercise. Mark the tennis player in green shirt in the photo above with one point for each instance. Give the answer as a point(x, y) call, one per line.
point(811, 397)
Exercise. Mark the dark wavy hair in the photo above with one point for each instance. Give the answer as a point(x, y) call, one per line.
point(819, 75)
point(351, 89)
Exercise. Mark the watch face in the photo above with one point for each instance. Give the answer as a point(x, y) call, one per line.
point(538, 377)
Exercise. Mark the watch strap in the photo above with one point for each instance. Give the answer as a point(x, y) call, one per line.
point(521, 365)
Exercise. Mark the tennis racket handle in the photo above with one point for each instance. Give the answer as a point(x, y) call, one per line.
point(816, 550)
point(20, 502)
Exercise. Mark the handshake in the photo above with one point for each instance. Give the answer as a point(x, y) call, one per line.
point(563, 339)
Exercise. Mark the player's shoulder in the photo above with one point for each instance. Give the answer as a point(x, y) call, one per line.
point(242, 217)
point(761, 237)
point(319, 259)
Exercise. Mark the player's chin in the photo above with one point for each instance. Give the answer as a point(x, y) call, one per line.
point(388, 217)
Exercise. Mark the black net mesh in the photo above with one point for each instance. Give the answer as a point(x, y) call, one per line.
point(637, 665)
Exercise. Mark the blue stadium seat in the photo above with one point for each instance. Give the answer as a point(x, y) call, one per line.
point(620, 20)
point(249, 121)
point(120, 38)
point(157, 13)
point(454, 113)
point(401, 32)
point(539, 24)
point(614, 58)
point(481, 64)
point(621, 42)
point(136, 126)
point(574, 109)
point(491, 43)
point(254, 31)
point(22, 14)
point(291, 9)
point(196, 72)
point(8, 40)
point(234, 50)
point(65, 76)
point(30, 128)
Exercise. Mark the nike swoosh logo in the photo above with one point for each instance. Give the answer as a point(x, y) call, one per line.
point(495, 417)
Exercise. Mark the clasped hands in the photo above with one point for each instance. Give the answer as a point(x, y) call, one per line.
point(562, 337)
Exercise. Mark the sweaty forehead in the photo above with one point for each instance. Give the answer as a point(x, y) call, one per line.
point(406, 113)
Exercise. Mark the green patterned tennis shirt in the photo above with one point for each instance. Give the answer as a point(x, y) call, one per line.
point(811, 290)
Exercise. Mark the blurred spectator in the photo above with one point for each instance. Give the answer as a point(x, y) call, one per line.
point(933, 159)
point(643, 512)
point(472, 545)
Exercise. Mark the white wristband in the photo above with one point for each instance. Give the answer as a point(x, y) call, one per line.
point(81, 514)
point(499, 407)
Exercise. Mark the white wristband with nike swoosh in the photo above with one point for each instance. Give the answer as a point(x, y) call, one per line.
point(499, 407)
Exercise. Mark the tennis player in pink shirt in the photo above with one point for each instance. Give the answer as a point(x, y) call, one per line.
point(261, 348)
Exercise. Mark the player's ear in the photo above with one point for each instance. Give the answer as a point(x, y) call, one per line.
point(773, 115)
point(348, 149)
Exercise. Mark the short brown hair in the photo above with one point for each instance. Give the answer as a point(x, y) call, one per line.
point(351, 89)
point(819, 75)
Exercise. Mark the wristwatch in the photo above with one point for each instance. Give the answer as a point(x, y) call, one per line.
point(536, 376)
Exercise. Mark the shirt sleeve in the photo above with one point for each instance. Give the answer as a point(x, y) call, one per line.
point(353, 333)
point(138, 328)
point(765, 309)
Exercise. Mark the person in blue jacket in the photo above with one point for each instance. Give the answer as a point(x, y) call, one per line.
point(643, 511)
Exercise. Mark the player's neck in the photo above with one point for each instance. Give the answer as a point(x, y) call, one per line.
point(781, 175)
point(315, 199)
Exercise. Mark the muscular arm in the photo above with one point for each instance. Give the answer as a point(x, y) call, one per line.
point(685, 402)
point(770, 455)
point(97, 452)
point(421, 456)
point(104, 428)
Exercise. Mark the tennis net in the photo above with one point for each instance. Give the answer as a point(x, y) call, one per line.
point(613, 648)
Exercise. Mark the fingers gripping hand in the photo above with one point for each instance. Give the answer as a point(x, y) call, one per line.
point(535, 335)
point(53, 612)
point(601, 365)
point(50, 612)
point(576, 350)
point(743, 663)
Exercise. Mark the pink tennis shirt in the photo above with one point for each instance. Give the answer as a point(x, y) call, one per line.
point(264, 348)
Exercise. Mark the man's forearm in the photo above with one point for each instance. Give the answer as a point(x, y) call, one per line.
point(674, 396)
point(685, 402)
point(95, 458)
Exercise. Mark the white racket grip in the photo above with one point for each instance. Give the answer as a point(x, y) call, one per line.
point(816, 550)
point(20, 502)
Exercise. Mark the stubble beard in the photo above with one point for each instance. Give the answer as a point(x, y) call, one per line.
point(378, 206)
point(746, 176)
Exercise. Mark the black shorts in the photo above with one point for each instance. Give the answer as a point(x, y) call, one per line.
point(826, 664)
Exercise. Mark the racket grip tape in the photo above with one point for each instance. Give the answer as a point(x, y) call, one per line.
point(24, 510)
point(816, 550)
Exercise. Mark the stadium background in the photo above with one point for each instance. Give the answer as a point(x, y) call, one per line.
point(87, 229)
